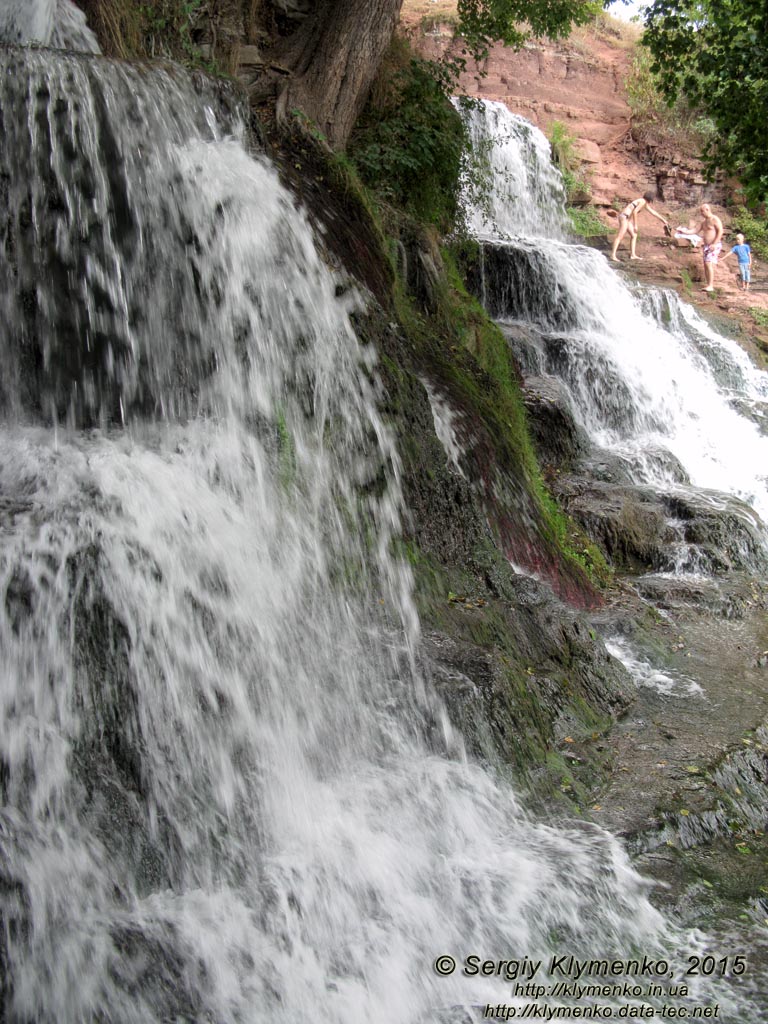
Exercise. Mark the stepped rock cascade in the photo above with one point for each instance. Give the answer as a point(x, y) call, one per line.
point(98, 162)
point(227, 794)
point(523, 192)
point(56, 23)
point(647, 378)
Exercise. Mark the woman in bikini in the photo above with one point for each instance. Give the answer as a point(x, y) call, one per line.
point(628, 223)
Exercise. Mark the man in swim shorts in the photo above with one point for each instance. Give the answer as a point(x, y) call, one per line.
point(711, 231)
point(628, 223)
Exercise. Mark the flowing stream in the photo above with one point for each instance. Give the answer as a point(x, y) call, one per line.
point(648, 379)
point(219, 802)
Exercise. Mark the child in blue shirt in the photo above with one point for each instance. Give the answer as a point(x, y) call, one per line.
point(744, 256)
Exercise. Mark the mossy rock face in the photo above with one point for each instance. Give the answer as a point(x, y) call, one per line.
point(325, 185)
point(521, 678)
point(629, 524)
point(518, 670)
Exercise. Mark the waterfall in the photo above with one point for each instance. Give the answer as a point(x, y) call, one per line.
point(57, 23)
point(645, 374)
point(228, 795)
point(517, 190)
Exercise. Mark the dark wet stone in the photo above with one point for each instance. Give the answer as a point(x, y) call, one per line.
point(726, 530)
point(628, 523)
point(556, 435)
point(642, 529)
point(757, 412)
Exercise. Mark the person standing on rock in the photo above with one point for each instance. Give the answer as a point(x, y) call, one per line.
point(711, 231)
point(628, 223)
point(743, 254)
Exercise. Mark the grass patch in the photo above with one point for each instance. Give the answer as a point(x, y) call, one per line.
point(622, 35)
point(438, 10)
point(687, 280)
point(586, 222)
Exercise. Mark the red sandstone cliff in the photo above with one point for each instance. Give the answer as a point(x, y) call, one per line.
point(581, 83)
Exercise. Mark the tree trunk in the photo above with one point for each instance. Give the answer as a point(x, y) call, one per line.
point(226, 25)
point(252, 17)
point(333, 57)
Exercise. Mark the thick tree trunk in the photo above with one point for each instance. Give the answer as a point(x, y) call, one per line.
point(333, 58)
point(252, 17)
point(226, 26)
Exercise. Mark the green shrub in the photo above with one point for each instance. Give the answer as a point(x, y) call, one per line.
point(586, 222)
point(568, 161)
point(409, 144)
point(754, 229)
point(563, 146)
point(654, 116)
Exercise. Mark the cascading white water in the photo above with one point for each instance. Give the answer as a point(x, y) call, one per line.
point(219, 803)
point(57, 23)
point(521, 192)
point(644, 372)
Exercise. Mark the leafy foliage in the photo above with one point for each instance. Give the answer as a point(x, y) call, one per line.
point(713, 53)
point(410, 142)
point(585, 222)
point(483, 22)
point(163, 28)
point(653, 115)
point(563, 144)
point(754, 229)
point(568, 162)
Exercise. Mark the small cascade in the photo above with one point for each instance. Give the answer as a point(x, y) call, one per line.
point(56, 23)
point(446, 422)
point(520, 193)
point(667, 684)
point(643, 372)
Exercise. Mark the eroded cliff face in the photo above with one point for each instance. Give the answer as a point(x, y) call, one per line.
point(581, 83)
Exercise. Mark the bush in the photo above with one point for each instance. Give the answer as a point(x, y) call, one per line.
point(754, 229)
point(653, 116)
point(563, 146)
point(586, 222)
point(409, 143)
point(568, 162)
point(135, 29)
